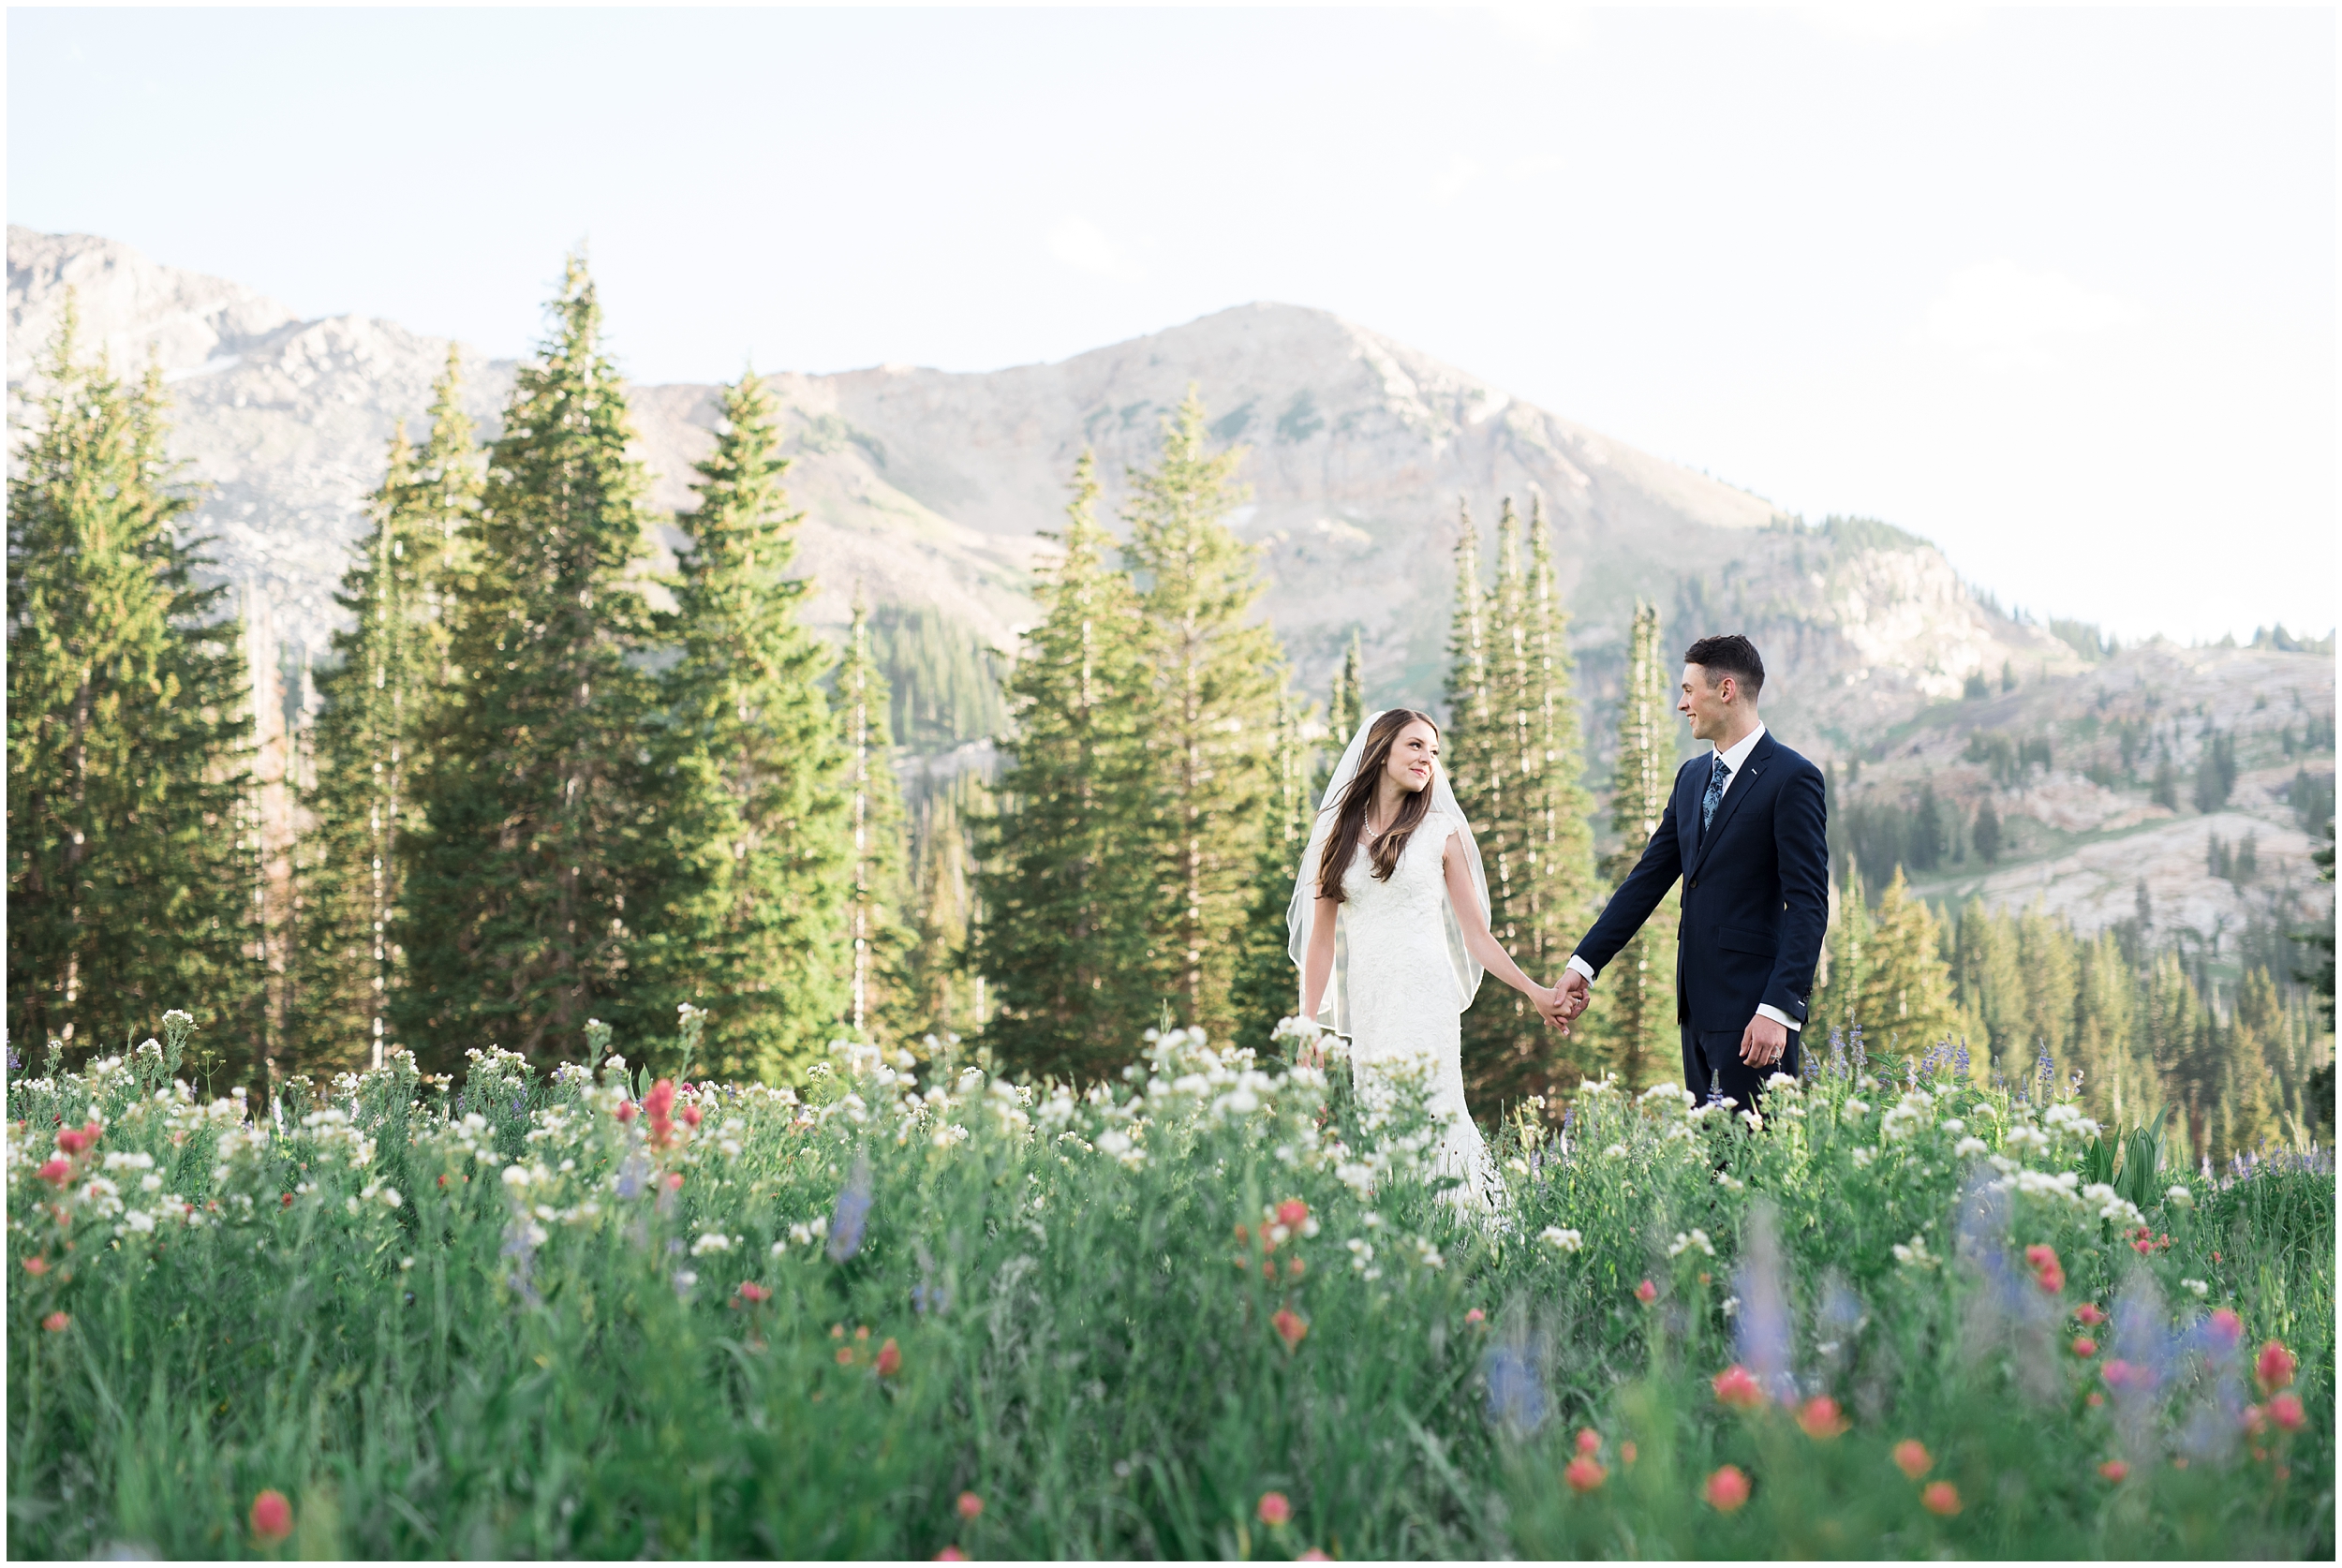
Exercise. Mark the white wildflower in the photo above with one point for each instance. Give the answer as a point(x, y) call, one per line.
point(1685, 1241)
point(1968, 1145)
point(2196, 1287)
point(2181, 1197)
point(1863, 1157)
point(1730, 1183)
point(711, 1241)
point(1561, 1240)
point(1914, 1253)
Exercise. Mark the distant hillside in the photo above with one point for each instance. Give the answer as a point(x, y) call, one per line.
point(928, 488)
point(2070, 765)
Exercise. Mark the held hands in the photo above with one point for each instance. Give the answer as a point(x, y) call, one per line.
point(1562, 1005)
point(1763, 1040)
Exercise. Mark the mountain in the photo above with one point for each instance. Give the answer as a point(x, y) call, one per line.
point(929, 487)
point(2068, 765)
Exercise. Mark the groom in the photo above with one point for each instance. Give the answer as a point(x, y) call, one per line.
point(1743, 829)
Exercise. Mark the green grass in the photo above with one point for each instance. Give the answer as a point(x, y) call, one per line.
point(558, 1362)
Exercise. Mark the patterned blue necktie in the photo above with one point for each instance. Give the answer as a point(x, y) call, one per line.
point(1716, 775)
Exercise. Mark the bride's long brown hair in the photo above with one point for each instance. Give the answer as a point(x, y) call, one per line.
point(1350, 811)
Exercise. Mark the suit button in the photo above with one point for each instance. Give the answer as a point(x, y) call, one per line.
point(1688, 886)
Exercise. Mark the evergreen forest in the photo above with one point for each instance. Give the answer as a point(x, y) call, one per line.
point(552, 798)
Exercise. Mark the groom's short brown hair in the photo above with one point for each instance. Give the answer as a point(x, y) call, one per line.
point(1734, 656)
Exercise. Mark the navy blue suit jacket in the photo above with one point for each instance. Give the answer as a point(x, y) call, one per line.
point(1755, 891)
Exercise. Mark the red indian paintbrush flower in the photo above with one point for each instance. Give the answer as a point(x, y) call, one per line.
point(2084, 1346)
point(1821, 1418)
point(1912, 1459)
point(890, 1359)
point(2114, 1470)
point(1646, 1293)
point(1941, 1497)
point(1737, 1386)
point(1584, 1474)
point(970, 1505)
point(1289, 1327)
point(2274, 1368)
point(1726, 1489)
point(1292, 1213)
point(271, 1516)
point(2286, 1410)
point(1589, 1440)
point(1275, 1509)
point(2092, 1316)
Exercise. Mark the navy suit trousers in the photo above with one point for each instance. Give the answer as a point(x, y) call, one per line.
point(1711, 1058)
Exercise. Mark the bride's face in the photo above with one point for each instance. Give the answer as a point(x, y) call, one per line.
point(1411, 757)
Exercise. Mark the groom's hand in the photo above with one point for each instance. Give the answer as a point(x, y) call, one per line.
point(1572, 994)
point(1763, 1040)
point(1564, 1002)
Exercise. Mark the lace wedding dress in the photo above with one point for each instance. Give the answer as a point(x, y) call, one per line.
point(1401, 975)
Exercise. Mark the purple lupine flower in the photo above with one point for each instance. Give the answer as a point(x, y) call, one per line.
point(1517, 1396)
point(1763, 1332)
point(852, 1212)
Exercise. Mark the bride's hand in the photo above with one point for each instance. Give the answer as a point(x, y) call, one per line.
point(1549, 1002)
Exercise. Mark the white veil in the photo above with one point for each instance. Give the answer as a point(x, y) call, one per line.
point(1334, 1008)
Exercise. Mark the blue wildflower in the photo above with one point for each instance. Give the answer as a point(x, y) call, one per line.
point(852, 1212)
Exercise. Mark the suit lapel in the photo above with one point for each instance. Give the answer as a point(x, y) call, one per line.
point(1738, 791)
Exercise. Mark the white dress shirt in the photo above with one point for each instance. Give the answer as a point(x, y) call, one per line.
point(1734, 760)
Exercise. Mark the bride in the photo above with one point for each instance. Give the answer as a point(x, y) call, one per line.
point(1389, 922)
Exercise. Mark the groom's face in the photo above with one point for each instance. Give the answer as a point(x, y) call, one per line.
point(1708, 706)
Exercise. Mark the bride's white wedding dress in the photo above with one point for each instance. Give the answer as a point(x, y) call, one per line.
point(1402, 976)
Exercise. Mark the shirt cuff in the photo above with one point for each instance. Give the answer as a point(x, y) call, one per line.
point(1763, 1010)
point(1579, 965)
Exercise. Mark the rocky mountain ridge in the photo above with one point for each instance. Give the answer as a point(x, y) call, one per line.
point(928, 488)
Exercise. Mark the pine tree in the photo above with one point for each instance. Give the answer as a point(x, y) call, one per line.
point(1346, 710)
point(1467, 741)
point(2046, 959)
point(881, 1002)
point(1560, 837)
point(1636, 1003)
point(2114, 1085)
point(946, 994)
point(1065, 890)
point(1988, 987)
point(1267, 986)
point(756, 828)
point(129, 880)
point(1528, 812)
point(389, 667)
point(1887, 974)
point(539, 849)
point(1210, 715)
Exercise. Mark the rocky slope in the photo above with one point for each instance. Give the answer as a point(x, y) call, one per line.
point(2084, 837)
point(928, 488)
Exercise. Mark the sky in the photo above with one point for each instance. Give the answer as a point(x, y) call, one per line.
point(2055, 289)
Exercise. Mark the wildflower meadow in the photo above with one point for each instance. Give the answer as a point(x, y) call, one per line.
point(1219, 1307)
